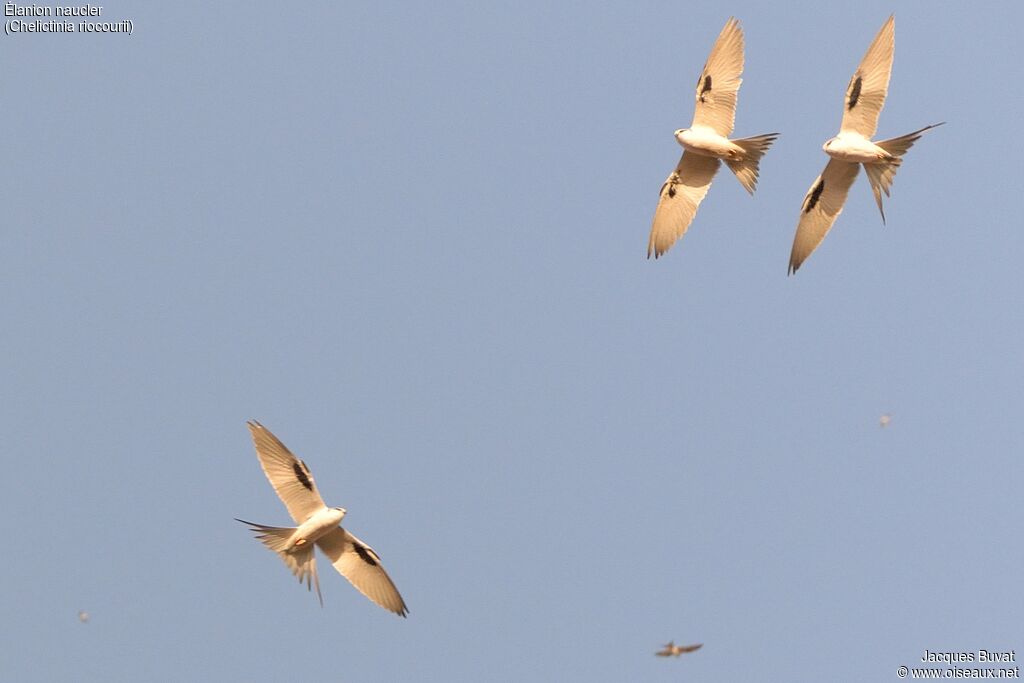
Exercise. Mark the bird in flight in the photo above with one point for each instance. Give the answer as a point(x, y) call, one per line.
point(318, 526)
point(865, 96)
point(706, 142)
point(884, 421)
point(673, 650)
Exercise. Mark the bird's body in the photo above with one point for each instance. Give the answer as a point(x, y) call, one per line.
point(317, 528)
point(320, 524)
point(706, 142)
point(853, 148)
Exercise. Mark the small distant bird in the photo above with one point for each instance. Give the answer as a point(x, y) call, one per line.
point(318, 525)
point(706, 142)
point(83, 616)
point(865, 96)
point(673, 650)
point(884, 421)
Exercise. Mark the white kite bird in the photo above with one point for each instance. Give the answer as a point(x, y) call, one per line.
point(706, 142)
point(318, 525)
point(865, 96)
point(670, 649)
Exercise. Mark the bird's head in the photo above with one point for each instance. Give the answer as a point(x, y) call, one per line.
point(342, 511)
point(828, 143)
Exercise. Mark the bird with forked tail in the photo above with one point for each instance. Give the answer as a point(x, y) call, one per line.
point(706, 143)
point(852, 147)
point(318, 527)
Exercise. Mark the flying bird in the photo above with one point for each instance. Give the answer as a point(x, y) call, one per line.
point(318, 526)
point(884, 421)
point(865, 96)
point(673, 650)
point(706, 142)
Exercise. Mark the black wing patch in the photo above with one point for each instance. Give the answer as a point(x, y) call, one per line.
point(854, 93)
point(365, 554)
point(302, 474)
point(815, 195)
point(671, 183)
point(706, 87)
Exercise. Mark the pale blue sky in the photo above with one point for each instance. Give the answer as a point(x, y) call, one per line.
point(411, 241)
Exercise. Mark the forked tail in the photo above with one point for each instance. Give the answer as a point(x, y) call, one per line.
point(274, 537)
point(882, 173)
point(299, 560)
point(746, 169)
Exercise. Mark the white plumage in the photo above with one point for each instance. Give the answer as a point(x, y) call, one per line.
point(318, 526)
point(865, 96)
point(706, 142)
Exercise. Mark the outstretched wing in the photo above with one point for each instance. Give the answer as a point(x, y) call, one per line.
point(690, 648)
point(720, 80)
point(357, 562)
point(289, 476)
point(865, 95)
point(821, 207)
point(681, 194)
